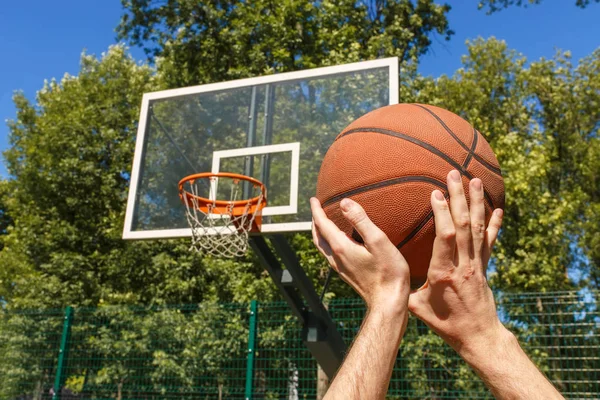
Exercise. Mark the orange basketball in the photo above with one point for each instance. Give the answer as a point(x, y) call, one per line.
point(391, 159)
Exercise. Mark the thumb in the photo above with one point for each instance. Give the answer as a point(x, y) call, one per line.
point(416, 304)
point(361, 222)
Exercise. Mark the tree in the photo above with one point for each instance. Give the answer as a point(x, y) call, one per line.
point(197, 42)
point(70, 160)
point(497, 5)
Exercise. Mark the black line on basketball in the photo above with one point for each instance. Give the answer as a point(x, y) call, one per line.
point(473, 146)
point(456, 138)
point(412, 233)
point(488, 166)
point(413, 140)
point(424, 222)
point(381, 184)
point(422, 144)
point(464, 146)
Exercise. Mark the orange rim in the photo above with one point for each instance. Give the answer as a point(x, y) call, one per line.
point(222, 205)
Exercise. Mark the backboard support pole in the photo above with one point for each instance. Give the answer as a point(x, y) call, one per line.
point(250, 139)
point(272, 265)
point(320, 334)
point(267, 138)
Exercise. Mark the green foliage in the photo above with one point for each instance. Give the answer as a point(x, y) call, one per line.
point(200, 350)
point(66, 247)
point(168, 348)
point(29, 343)
point(497, 5)
point(5, 219)
point(70, 161)
point(200, 42)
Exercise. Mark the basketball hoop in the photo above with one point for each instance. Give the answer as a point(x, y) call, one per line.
point(221, 227)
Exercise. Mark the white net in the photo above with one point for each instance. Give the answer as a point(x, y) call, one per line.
point(221, 230)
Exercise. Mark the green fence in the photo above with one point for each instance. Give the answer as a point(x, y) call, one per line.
point(239, 351)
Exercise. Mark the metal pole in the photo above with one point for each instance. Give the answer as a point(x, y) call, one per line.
point(267, 133)
point(251, 349)
point(281, 277)
point(249, 164)
point(321, 336)
point(195, 169)
point(63, 352)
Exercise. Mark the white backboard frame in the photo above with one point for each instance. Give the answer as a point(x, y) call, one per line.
point(391, 63)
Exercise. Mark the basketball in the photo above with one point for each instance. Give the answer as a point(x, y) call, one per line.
point(391, 159)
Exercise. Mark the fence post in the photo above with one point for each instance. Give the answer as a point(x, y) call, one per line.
point(63, 352)
point(251, 349)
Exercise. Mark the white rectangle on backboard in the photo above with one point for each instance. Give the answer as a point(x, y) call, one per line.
point(294, 148)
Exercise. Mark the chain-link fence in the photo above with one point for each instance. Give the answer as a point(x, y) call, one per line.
point(239, 351)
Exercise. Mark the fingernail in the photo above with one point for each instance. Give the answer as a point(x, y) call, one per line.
point(455, 175)
point(477, 183)
point(499, 212)
point(346, 204)
point(438, 195)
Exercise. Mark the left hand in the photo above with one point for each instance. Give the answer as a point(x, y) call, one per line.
point(457, 302)
point(375, 269)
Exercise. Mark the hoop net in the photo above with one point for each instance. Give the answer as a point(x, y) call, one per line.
point(221, 227)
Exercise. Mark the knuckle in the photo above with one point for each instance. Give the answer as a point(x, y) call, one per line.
point(443, 206)
point(441, 276)
point(336, 247)
point(378, 237)
point(463, 220)
point(357, 215)
point(478, 227)
point(447, 234)
point(469, 272)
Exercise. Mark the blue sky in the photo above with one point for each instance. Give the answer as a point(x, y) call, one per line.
point(42, 39)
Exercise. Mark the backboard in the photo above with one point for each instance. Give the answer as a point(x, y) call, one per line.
point(274, 128)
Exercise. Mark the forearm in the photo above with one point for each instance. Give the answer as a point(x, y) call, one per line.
point(367, 369)
point(508, 372)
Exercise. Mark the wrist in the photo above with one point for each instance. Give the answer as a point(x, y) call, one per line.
point(391, 304)
point(390, 311)
point(489, 349)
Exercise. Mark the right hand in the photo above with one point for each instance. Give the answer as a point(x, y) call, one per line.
point(375, 268)
point(456, 301)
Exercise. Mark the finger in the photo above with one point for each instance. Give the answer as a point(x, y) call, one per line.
point(491, 234)
point(336, 239)
point(445, 234)
point(371, 235)
point(324, 248)
point(460, 214)
point(477, 213)
point(321, 243)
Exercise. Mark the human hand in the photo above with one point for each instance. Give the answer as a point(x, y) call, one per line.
point(375, 269)
point(456, 301)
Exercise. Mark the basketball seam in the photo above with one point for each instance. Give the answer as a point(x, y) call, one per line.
point(381, 184)
point(473, 146)
point(422, 144)
point(463, 145)
point(390, 182)
point(417, 229)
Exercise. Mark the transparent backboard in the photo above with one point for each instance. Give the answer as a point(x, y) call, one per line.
point(275, 128)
